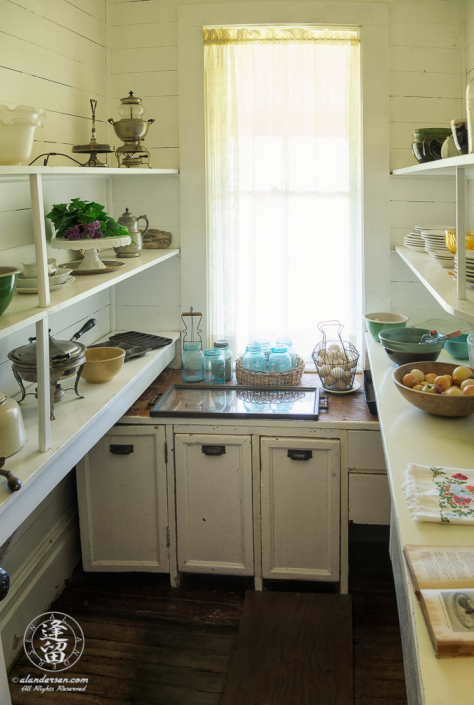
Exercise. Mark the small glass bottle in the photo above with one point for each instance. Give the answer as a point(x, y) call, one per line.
point(214, 366)
point(224, 347)
point(289, 345)
point(254, 358)
point(280, 359)
point(192, 363)
point(265, 345)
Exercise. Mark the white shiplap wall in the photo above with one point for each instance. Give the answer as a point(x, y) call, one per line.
point(426, 89)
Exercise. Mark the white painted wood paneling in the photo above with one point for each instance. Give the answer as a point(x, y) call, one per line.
point(123, 502)
point(369, 499)
point(365, 451)
point(214, 505)
point(300, 510)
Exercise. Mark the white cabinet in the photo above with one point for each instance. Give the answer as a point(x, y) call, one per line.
point(123, 507)
point(214, 503)
point(300, 499)
point(369, 492)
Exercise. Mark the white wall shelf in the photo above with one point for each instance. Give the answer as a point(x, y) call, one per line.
point(24, 308)
point(79, 425)
point(51, 173)
point(440, 167)
point(439, 283)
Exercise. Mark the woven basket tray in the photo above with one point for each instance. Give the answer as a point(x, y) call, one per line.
point(253, 378)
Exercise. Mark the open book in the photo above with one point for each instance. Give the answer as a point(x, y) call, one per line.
point(443, 578)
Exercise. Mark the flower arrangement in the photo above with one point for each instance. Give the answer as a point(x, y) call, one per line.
point(84, 220)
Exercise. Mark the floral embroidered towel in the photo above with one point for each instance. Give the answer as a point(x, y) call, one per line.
point(444, 495)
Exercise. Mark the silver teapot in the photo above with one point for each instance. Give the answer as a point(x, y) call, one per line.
point(131, 223)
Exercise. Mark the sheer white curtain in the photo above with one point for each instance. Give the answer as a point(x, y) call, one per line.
point(282, 131)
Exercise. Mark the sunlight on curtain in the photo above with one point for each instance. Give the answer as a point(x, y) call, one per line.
point(282, 131)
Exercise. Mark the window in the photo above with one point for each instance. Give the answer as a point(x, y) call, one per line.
point(282, 146)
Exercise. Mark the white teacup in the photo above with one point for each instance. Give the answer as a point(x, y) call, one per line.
point(30, 271)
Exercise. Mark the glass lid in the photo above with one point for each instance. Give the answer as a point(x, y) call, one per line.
point(236, 401)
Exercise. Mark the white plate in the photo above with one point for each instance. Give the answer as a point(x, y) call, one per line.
point(355, 388)
point(69, 280)
point(435, 227)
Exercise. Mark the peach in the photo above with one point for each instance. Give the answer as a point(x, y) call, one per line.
point(418, 387)
point(466, 383)
point(419, 374)
point(410, 380)
point(461, 373)
point(443, 382)
point(468, 390)
point(430, 378)
point(453, 392)
point(450, 379)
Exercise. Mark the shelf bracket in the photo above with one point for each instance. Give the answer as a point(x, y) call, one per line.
point(461, 231)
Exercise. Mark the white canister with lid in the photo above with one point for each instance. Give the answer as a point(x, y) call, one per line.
point(12, 430)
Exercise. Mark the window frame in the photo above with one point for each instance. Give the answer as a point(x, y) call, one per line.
point(372, 20)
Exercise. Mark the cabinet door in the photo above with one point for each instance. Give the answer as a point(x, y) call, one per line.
point(214, 504)
point(300, 508)
point(123, 508)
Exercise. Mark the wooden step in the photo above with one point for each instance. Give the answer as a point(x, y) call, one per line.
point(292, 649)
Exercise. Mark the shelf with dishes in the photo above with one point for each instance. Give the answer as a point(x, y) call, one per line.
point(24, 309)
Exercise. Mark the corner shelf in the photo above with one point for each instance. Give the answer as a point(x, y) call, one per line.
point(440, 167)
point(52, 173)
point(24, 309)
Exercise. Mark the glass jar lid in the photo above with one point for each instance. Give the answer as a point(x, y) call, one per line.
point(221, 344)
point(131, 107)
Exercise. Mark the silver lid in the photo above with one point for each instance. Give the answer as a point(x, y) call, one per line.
point(221, 344)
point(59, 350)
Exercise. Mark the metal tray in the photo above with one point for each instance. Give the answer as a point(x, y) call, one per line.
point(145, 340)
point(131, 351)
point(238, 401)
point(369, 392)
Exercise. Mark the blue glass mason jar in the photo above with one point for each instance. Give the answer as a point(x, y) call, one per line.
point(286, 342)
point(254, 358)
point(280, 359)
point(214, 366)
point(224, 347)
point(192, 363)
point(264, 343)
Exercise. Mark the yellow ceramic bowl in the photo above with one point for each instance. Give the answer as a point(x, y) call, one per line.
point(450, 240)
point(102, 364)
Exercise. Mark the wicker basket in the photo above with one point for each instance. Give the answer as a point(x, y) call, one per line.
point(256, 378)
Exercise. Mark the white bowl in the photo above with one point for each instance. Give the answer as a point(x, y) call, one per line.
point(52, 281)
point(30, 271)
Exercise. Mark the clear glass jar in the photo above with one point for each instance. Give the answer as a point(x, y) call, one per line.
point(254, 358)
point(214, 366)
point(192, 363)
point(224, 347)
point(286, 342)
point(266, 347)
point(280, 359)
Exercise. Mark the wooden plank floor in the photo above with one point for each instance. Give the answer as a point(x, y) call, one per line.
point(146, 644)
point(292, 648)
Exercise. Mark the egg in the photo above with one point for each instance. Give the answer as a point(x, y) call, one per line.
point(348, 375)
point(341, 384)
point(334, 347)
point(322, 354)
point(333, 356)
point(324, 371)
point(329, 381)
point(338, 373)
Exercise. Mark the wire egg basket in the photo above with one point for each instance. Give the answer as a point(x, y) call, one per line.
point(335, 360)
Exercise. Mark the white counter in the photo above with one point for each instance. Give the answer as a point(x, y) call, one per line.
point(412, 436)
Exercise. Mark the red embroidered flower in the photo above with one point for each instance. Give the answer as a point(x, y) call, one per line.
point(461, 500)
point(459, 476)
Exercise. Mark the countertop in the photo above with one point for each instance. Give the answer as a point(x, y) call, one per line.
point(413, 436)
point(342, 407)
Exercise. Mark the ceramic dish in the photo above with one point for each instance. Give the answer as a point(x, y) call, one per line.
point(30, 271)
point(53, 280)
point(407, 340)
point(377, 322)
point(355, 388)
point(102, 364)
point(110, 265)
point(457, 347)
point(32, 290)
point(437, 404)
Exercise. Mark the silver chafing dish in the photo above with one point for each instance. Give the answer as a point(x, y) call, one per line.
point(66, 357)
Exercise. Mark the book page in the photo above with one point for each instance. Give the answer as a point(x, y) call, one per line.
point(441, 566)
point(451, 614)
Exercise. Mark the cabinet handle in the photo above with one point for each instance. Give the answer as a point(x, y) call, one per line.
point(213, 450)
point(120, 449)
point(300, 454)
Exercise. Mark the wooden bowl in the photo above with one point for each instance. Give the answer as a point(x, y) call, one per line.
point(102, 364)
point(437, 404)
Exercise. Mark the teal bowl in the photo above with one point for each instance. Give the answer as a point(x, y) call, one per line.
point(407, 340)
point(457, 347)
point(377, 322)
point(7, 286)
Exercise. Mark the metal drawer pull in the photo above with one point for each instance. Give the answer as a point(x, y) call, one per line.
point(213, 450)
point(300, 454)
point(121, 450)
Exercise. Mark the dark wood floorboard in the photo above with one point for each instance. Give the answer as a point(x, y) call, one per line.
point(292, 648)
point(146, 644)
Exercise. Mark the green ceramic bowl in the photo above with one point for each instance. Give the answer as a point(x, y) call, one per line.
point(377, 322)
point(7, 286)
point(407, 340)
point(457, 347)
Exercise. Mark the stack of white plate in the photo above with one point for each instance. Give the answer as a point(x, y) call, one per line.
point(433, 236)
point(469, 268)
point(414, 242)
point(443, 257)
